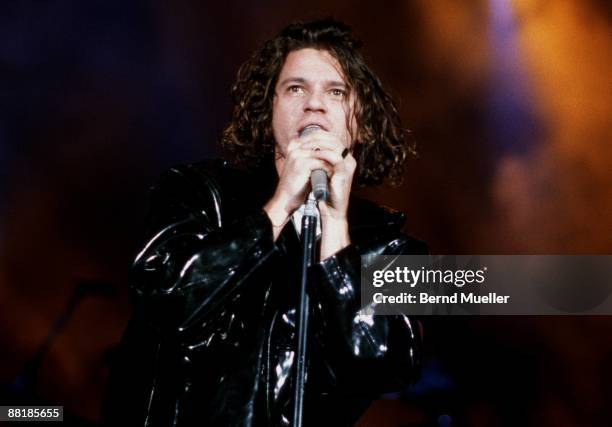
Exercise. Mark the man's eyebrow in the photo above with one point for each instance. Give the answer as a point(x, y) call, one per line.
point(335, 83)
point(292, 80)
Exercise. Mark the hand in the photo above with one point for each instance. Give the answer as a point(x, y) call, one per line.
point(294, 182)
point(317, 150)
point(334, 224)
point(326, 146)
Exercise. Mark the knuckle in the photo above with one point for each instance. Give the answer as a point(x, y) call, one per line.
point(292, 155)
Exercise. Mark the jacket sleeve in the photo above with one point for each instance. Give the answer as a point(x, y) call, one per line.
point(380, 353)
point(192, 263)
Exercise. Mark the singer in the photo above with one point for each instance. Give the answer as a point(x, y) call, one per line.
point(211, 341)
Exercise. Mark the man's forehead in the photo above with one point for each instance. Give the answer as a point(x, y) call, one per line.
point(309, 64)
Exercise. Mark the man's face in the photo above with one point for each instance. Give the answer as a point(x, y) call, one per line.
point(311, 89)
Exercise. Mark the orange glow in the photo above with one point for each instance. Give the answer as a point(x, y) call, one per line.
point(561, 194)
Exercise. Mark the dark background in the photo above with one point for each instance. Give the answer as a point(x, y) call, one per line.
point(509, 101)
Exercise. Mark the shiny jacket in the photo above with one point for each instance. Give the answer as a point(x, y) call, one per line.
point(211, 339)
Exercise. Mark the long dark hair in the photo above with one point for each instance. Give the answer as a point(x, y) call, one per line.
point(248, 139)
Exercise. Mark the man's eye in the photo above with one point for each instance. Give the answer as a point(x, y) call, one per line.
point(295, 89)
point(338, 92)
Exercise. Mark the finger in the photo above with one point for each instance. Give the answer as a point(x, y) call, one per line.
point(323, 140)
point(332, 157)
point(350, 162)
point(299, 152)
point(314, 151)
point(334, 161)
point(314, 164)
point(341, 164)
point(293, 144)
point(333, 153)
point(299, 156)
point(326, 143)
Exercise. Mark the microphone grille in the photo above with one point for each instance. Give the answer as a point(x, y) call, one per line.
point(308, 129)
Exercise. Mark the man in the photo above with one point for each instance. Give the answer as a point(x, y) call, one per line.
point(213, 333)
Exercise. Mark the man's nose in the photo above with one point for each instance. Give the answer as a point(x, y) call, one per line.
point(315, 102)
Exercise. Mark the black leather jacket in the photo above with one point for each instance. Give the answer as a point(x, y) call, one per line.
point(211, 338)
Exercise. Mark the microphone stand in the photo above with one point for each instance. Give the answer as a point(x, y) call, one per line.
point(309, 229)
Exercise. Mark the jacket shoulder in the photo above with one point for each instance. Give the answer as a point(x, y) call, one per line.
point(221, 172)
point(212, 188)
point(372, 222)
point(192, 189)
point(207, 175)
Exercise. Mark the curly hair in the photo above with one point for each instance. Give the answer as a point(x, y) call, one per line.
point(248, 139)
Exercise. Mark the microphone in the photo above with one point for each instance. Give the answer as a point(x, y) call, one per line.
point(318, 177)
